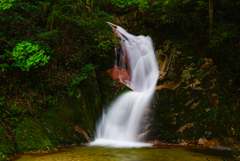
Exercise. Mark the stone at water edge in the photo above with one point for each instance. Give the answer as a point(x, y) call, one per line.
point(80, 130)
point(202, 140)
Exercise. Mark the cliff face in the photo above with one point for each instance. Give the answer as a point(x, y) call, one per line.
point(185, 91)
point(192, 98)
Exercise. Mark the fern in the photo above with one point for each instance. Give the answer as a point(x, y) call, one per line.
point(27, 55)
point(5, 4)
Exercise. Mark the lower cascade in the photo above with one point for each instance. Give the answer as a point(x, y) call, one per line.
point(136, 67)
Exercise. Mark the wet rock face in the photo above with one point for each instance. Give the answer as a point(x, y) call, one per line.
point(119, 74)
point(181, 95)
point(121, 69)
point(230, 143)
point(226, 143)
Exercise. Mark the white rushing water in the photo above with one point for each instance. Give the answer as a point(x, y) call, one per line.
point(120, 125)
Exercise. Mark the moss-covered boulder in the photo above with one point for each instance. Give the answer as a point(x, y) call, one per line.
point(91, 99)
point(3, 157)
point(60, 132)
point(30, 137)
point(6, 145)
point(82, 109)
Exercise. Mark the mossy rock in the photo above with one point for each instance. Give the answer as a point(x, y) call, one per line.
point(48, 128)
point(6, 146)
point(81, 109)
point(30, 137)
point(91, 100)
point(60, 131)
point(110, 89)
point(3, 157)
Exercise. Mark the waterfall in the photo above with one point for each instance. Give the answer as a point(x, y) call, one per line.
point(138, 69)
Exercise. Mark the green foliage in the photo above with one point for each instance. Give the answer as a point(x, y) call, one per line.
point(85, 73)
point(6, 4)
point(27, 55)
point(126, 3)
point(4, 65)
point(2, 157)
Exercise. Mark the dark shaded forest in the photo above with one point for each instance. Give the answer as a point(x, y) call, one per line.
point(54, 56)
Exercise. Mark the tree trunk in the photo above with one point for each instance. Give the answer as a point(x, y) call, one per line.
point(91, 9)
point(52, 18)
point(107, 6)
point(91, 13)
point(238, 28)
point(91, 4)
point(84, 5)
point(44, 15)
point(210, 18)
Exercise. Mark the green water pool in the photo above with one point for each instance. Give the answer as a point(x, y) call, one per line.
point(161, 153)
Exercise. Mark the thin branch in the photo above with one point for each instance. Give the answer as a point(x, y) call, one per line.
point(9, 137)
point(7, 42)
